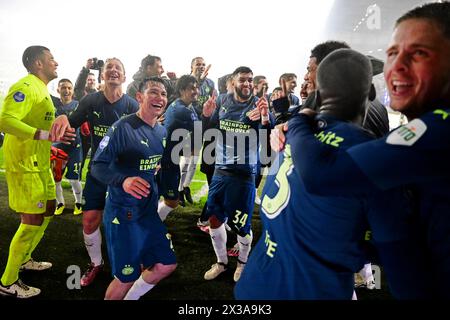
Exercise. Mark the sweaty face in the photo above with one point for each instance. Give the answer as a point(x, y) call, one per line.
point(113, 73)
point(243, 86)
point(418, 67)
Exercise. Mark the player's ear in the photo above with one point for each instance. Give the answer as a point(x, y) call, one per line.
point(139, 97)
point(38, 64)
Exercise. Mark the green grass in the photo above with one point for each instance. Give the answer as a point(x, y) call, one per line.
point(63, 245)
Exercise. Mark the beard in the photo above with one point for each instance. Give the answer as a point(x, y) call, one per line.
point(243, 96)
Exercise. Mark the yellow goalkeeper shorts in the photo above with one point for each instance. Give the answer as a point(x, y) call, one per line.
point(29, 192)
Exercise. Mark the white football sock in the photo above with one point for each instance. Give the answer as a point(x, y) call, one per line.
point(245, 244)
point(59, 193)
point(219, 242)
point(77, 189)
point(93, 243)
point(138, 289)
point(163, 210)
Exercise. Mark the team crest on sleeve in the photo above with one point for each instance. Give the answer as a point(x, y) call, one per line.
point(408, 134)
point(104, 142)
point(19, 96)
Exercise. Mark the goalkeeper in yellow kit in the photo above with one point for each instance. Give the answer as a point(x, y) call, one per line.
point(26, 118)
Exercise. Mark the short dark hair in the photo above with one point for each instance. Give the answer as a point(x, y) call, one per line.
point(149, 61)
point(184, 82)
point(241, 70)
point(192, 61)
point(31, 54)
point(64, 80)
point(91, 74)
point(143, 83)
point(222, 83)
point(437, 12)
point(325, 48)
point(257, 79)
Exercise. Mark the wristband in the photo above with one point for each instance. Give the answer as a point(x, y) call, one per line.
point(42, 135)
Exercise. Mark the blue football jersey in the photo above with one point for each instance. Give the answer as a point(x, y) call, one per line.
point(101, 114)
point(179, 116)
point(130, 148)
point(206, 90)
point(237, 144)
point(416, 154)
point(74, 148)
point(311, 245)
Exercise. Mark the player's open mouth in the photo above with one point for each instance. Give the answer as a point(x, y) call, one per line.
point(400, 87)
point(156, 105)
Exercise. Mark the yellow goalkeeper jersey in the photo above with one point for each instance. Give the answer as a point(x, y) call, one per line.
point(26, 108)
